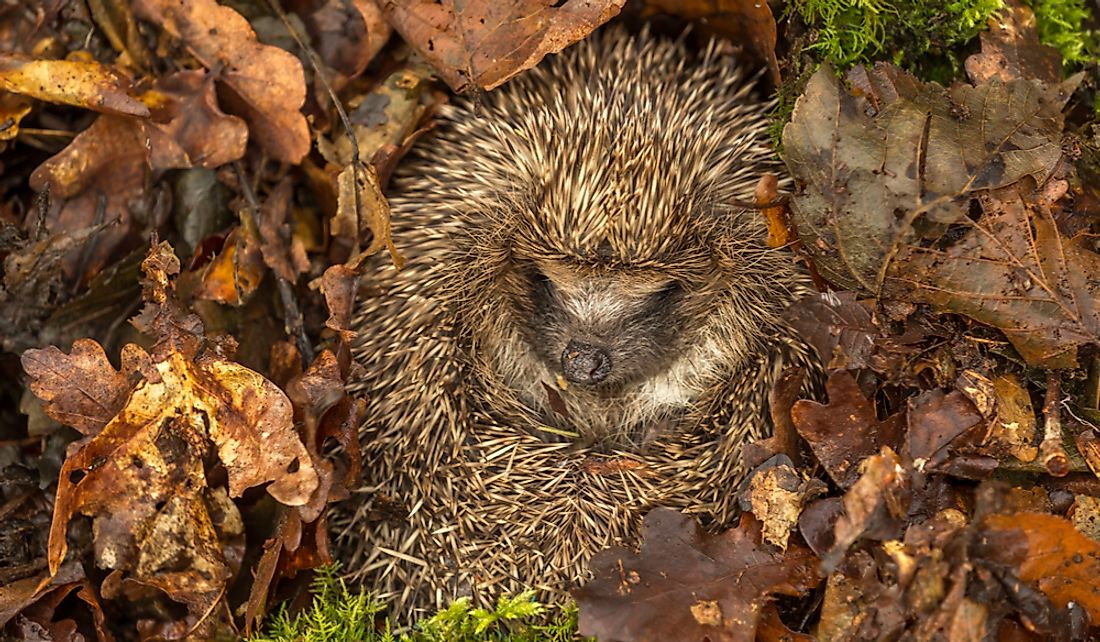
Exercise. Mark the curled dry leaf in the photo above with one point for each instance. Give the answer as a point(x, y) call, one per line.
point(483, 43)
point(361, 207)
point(875, 507)
point(268, 82)
point(86, 84)
point(845, 431)
point(686, 584)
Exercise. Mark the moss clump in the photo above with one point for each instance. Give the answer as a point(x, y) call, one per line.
point(850, 32)
point(1061, 24)
point(339, 615)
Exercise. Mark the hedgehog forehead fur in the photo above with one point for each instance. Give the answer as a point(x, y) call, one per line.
point(600, 211)
point(577, 264)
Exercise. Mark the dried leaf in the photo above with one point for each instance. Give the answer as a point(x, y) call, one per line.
point(268, 82)
point(210, 137)
point(747, 22)
point(845, 431)
point(1011, 50)
point(89, 84)
point(1013, 270)
point(361, 208)
point(142, 477)
point(80, 389)
point(483, 43)
point(1048, 551)
point(685, 584)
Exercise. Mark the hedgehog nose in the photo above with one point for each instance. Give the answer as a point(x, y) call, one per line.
point(585, 363)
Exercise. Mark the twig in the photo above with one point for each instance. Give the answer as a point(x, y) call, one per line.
point(294, 325)
point(1051, 451)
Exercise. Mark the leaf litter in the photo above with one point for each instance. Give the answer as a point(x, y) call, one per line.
point(942, 485)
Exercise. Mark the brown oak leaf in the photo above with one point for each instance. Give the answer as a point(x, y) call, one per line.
point(688, 585)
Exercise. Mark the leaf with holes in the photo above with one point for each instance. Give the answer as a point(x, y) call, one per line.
point(141, 475)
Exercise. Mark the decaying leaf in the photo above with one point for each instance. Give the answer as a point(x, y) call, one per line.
point(775, 495)
point(268, 82)
point(140, 474)
point(483, 43)
point(687, 585)
point(845, 431)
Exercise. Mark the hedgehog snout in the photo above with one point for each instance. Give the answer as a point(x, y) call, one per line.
point(585, 363)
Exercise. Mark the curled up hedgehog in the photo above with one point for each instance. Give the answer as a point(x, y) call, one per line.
point(587, 327)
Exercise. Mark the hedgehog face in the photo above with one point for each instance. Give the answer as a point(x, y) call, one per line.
point(604, 328)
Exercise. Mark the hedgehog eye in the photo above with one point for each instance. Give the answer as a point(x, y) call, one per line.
point(666, 295)
point(540, 283)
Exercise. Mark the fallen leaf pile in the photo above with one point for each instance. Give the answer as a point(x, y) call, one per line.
point(173, 414)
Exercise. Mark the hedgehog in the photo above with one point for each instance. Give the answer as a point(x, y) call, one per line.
point(587, 326)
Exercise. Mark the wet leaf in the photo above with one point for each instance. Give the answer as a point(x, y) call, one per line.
point(845, 431)
point(86, 84)
point(687, 585)
point(483, 43)
point(268, 82)
point(935, 420)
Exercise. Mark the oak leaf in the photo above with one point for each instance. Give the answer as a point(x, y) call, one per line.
point(686, 584)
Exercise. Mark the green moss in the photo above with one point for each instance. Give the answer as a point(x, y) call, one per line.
point(1061, 24)
point(340, 615)
point(912, 33)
